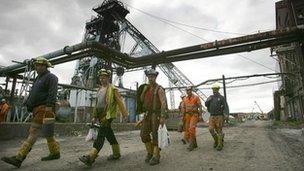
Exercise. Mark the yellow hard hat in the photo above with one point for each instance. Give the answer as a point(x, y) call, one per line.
point(43, 61)
point(215, 86)
point(104, 72)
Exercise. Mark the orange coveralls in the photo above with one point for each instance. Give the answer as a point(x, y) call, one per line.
point(192, 104)
point(4, 108)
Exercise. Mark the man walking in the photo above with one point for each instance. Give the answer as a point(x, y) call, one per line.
point(107, 104)
point(193, 112)
point(41, 102)
point(4, 108)
point(217, 107)
point(182, 121)
point(154, 102)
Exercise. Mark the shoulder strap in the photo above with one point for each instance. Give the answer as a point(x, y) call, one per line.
point(155, 95)
point(142, 96)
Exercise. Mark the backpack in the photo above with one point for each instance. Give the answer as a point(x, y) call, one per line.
point(139, 103)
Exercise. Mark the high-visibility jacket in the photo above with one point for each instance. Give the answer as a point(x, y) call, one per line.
point(192, 104)
point(152, 101)
point(4, 108)
point(113, 103)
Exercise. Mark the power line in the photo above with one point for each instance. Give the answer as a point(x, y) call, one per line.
point(169, 22)
point(257, 63)
point(183, 24)
point(164, 21)
point(246, 85)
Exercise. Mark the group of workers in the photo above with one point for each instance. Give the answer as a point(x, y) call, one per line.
point(191, 113)
point(42, 98)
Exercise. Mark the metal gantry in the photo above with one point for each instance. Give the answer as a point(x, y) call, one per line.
point(109, 27)
point(103, 47)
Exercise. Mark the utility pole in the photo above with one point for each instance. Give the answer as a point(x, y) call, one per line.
point(224, 87)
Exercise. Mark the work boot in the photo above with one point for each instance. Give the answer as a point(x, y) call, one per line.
point(156, 156)
point(191, 145)
point(21, 155)
point(194, 143)
point(13, 161)
point(54, 150)
point(220, 142)
point(184, 141)
point(90, 158)
point(215, 140)
point(149, 149)
point(116, 152)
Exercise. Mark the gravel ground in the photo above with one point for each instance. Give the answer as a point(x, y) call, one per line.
point(253, 145)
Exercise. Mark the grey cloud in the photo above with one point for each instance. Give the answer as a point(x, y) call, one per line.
point(28, 29)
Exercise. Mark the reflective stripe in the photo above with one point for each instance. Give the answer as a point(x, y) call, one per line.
point(111, 104)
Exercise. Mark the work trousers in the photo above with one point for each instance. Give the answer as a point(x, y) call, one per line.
point(149, 127)
point(216, 123)
point(105, 131)
point(39, 114)
point(190, 126)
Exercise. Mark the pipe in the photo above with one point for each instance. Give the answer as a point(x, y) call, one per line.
point(226, 46)
point(67, 50)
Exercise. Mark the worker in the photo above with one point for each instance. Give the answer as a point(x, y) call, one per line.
point(218, 108)
point(181, 108)
point(193, 113)
point(41, 102)
point(154, 102)
point(4, 108)
point(108, 103)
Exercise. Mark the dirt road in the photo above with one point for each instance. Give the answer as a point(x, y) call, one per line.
point(250, 146)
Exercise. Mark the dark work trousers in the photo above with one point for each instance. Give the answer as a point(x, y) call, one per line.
point(105, 131)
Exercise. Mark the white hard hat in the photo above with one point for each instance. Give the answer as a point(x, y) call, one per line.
point(151, 72)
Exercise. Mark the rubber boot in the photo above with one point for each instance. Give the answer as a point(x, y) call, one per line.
point(54, 150)
point(149, 149)
point(13, 161)
point(191, 145)
point(215, 140)
point(21, 155)
point(90, 158)
point(116, 152)
point(156, 156)
point(194, 143)
point(220, 142)
point(223, 138)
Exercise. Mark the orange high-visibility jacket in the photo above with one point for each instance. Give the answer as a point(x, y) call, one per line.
point(192, 104)
point(3, 111)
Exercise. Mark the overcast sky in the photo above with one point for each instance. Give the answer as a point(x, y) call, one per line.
point(35, 27)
